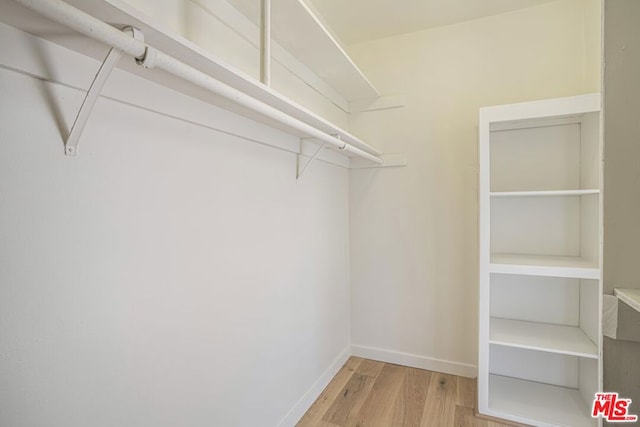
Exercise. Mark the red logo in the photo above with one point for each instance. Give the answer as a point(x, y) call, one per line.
point(612, 408)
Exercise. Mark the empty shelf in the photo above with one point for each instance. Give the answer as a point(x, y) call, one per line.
point(530, 402)
point(554, 193)
point(544, 265)
point(542, 336)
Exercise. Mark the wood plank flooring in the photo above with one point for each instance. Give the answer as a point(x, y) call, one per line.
point(366, 393)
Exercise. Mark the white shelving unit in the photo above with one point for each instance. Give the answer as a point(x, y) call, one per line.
point(540, 343)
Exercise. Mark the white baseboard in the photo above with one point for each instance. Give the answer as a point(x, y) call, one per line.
point(301, 407)
point(415, 361)
point(382, 355)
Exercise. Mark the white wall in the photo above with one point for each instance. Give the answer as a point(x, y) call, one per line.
point(414, 230)
point(168, 275)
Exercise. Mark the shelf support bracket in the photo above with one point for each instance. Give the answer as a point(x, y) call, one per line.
point(299, 171)
point(109, 63)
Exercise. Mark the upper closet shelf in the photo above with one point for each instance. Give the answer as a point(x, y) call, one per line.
point(120, 15)
point(300, 31)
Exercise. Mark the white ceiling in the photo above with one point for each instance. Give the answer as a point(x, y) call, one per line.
point(355, 21)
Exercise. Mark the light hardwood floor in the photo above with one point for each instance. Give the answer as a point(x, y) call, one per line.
point(366, 393)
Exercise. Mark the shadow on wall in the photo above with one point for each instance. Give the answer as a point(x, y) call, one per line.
point(39, 56)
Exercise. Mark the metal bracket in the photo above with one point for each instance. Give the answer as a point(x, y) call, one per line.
point(299, 171)
point(109, 63)
point(339, 138)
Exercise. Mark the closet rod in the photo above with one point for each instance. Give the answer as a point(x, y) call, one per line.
point(149, 57)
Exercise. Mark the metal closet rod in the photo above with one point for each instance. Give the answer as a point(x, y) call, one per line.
point(149, 57)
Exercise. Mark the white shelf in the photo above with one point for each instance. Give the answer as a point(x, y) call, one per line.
point(630, 296)
point(544, 265)
point(122, 14)
point(296, 27)
point(540, 234)
point(553, 193)
point(545, 109)
point(535, 403)
point(569, 340)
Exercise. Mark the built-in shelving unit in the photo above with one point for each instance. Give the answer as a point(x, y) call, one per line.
point(120, 14)
point(540, 261)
